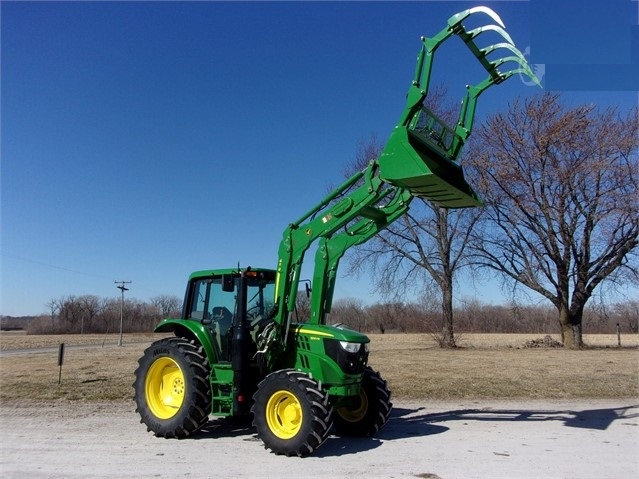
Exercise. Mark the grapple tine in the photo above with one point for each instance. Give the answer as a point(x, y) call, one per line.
point(488, 12)
point(528, 72)
point(524, 71)
point(461, 16)
point(522, 63)
point(495, 28)
point(501, 61)
point(509, 46)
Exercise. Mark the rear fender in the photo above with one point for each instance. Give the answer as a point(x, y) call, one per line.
point(192, 330)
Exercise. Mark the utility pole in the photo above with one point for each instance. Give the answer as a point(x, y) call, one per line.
point(122, 288)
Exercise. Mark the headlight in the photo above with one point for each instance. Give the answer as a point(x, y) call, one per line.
point(367, 347)
point(350, 347)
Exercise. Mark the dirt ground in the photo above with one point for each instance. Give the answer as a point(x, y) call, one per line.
point(448, 440)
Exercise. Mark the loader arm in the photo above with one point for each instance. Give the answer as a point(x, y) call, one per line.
point(419, 160)
point(334, 212)
point(330, 250)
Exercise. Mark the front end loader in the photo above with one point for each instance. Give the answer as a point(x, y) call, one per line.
point(238, 348)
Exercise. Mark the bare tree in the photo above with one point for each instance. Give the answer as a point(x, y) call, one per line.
point(427, 245)
point(54, 307)
point(562, 212)
point(302, 307)
point(167, 305)
point(350, 312)
point(89, 308)
point(70, 314)
point(627, 315)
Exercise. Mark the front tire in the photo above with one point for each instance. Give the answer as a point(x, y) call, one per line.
point(172, 390)
point(368, 413)
point(291, 413)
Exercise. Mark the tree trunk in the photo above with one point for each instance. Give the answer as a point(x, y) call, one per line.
point(571, 330)
point(448, 335)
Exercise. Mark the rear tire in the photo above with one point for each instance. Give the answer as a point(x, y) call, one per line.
point(172, 391)
point(291, 413)
point(368, 413)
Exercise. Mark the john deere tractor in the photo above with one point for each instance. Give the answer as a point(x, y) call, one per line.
point(236, 350)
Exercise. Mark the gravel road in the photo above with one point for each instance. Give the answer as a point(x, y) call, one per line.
point(447, 440)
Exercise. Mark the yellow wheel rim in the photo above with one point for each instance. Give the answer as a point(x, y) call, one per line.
point(356, 414)
point(284, 414)
point(164, 388)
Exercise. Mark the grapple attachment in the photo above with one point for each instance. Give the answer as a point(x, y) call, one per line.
point(422, 151)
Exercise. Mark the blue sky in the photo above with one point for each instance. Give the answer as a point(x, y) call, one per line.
point(142, 141)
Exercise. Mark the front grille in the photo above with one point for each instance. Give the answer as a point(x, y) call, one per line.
point(350, 363)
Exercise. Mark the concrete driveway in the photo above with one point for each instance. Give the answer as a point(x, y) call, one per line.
point(595, 439)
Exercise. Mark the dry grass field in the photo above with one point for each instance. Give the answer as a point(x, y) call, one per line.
point(498, 366)
point(485, 366)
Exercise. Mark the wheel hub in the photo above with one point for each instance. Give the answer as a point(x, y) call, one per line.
point(164, 388)
point(357, 411)
point(284, 414)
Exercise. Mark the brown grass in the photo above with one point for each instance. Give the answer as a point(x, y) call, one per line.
point(10, 340)
point(498, 366)
point(486, 366)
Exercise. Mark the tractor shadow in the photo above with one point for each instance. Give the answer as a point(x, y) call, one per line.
point(405, 423)
point(596, 419)
point(401, 425)
point(226, 427)
point(398, 426)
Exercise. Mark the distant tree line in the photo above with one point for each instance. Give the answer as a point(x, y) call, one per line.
point(472, 316)
point(92, 314)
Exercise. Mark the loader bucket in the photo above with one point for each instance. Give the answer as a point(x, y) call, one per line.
point(418, 158)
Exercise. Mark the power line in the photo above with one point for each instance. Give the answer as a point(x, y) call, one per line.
point(53, 266)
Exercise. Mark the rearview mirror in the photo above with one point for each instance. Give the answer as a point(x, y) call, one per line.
point(228, 283)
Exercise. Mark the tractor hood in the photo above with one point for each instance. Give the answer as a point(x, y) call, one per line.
point(338, 332)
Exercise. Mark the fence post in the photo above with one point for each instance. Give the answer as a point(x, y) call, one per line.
point(60, 361)
point(618, 335)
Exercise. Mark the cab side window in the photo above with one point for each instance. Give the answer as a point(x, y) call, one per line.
point(199, 300)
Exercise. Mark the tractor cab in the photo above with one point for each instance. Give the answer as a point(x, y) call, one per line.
point(213, 298)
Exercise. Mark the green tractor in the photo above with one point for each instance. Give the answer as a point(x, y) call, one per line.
point(237, 351)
